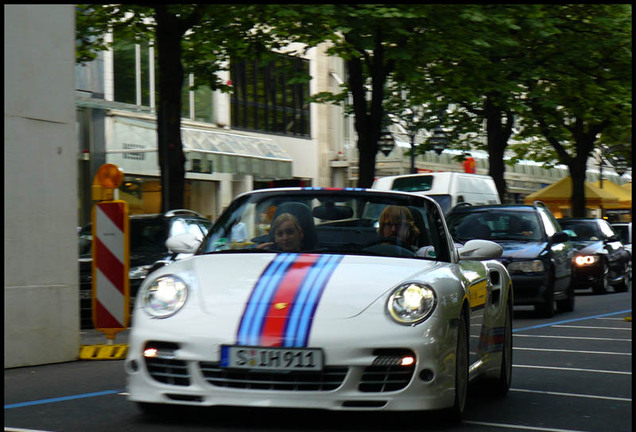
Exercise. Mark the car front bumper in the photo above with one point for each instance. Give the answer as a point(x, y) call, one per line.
point(348, 350)
point(530, 289)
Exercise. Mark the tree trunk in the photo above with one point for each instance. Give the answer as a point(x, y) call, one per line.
point(498, 134)
point(368, 117)
point(170, 147)
point(577, 169)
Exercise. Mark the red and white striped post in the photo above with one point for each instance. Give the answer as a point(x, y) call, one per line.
point(110, 289)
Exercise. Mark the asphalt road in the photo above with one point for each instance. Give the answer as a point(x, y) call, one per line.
point(571, 373)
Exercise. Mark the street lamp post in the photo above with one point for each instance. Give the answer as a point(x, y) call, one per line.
point(438, 141)
point(386, 143)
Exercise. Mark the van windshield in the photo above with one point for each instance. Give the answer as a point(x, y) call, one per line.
point(444, 202)
point(413, 184)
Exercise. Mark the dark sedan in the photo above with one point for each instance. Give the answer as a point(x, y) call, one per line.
point(537, 253)
point(148, 234)
point(601, 260)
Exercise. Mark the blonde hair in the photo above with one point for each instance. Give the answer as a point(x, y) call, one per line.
point(284, 217)
point(398, 215)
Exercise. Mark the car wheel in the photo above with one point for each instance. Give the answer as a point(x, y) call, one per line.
point(622, 286)
point(455, 413)
point(546, 309)
point(501, 384)
point(602, 285)
point(567, 305)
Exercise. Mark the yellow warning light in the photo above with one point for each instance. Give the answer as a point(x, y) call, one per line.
point(109, 176)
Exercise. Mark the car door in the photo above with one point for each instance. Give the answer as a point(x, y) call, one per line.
point(615, 254)
point(561, 254)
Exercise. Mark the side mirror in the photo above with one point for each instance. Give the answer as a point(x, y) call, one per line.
point(560, 237)
point(478, 250)
point(614, 238)
point(186, 243)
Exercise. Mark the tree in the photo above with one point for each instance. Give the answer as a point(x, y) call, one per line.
point(204, 36)
point(580, 92)
point(376, 42)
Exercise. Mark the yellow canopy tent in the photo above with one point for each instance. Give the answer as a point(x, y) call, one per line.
point(627, 186)
point(624, 196)
point(558, 195)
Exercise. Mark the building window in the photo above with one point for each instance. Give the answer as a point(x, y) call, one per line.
point(124, 60)
point(269, 97)
point(134, 84)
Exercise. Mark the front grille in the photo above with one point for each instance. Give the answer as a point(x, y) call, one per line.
point(385, 378)
point(168, 371)
point(330, 378)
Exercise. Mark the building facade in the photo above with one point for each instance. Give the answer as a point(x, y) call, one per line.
point(41, 287)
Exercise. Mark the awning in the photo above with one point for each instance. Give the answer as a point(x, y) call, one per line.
point(132, 145)
point(560, 193)
point(624, 196)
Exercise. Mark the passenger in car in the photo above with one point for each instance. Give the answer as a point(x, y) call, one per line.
point(397, 222)
point(288, 234)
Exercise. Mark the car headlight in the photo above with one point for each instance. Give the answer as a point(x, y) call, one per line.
point(534, 266)
point(139, 272)
point(165, 296)
point(585, 260)
point(411, 303)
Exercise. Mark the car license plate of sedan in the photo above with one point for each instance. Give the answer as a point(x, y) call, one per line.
point(271, 358)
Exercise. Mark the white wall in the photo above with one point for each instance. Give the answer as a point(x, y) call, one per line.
point(41, 301)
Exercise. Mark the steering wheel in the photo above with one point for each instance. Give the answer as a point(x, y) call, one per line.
point(392, 240)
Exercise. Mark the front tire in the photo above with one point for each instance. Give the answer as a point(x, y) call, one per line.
point(622, 286)
point(602, 285)
point(567, 305)
point(501, 385)
point(455, 413)
point(546, 309)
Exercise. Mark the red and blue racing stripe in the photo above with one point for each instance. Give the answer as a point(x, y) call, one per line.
point(282, 305)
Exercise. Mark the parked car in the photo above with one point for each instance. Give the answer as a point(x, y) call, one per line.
point(537, 253)
point(447, 188)
point(318, 310)
point(601, 261)
point(148, 234)
point(624, 231)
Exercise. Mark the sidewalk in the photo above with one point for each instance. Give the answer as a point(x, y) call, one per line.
point(95, 337)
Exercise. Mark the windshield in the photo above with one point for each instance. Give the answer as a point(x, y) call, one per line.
point(623, 232)
point(583, 230)
point(496, 225)
point(331, 221)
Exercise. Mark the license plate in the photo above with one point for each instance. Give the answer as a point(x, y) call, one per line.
point(266, 358)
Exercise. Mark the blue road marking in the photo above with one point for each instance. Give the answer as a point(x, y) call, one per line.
point(61, 399)
point(550, 324)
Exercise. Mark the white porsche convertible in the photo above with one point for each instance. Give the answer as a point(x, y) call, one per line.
point(339, 299)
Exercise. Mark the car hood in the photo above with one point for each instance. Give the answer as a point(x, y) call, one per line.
point(521, 250)
point(587, 247)
point(334, 286)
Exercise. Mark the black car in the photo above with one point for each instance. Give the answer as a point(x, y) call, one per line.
point(148, 234)
point(601, 260)
point(537, 253)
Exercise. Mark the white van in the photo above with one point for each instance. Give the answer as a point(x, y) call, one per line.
point(447, 188)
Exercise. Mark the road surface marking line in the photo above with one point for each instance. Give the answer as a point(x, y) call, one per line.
point(572, 369)
point(513, 426)
point(573, 337)
point(61, 399)
point(592, 327)
point(571, 320)
point(10, 429)
point(572, 351)
point(573, 395)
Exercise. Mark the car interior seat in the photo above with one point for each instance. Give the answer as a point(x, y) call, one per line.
point(423, 238)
